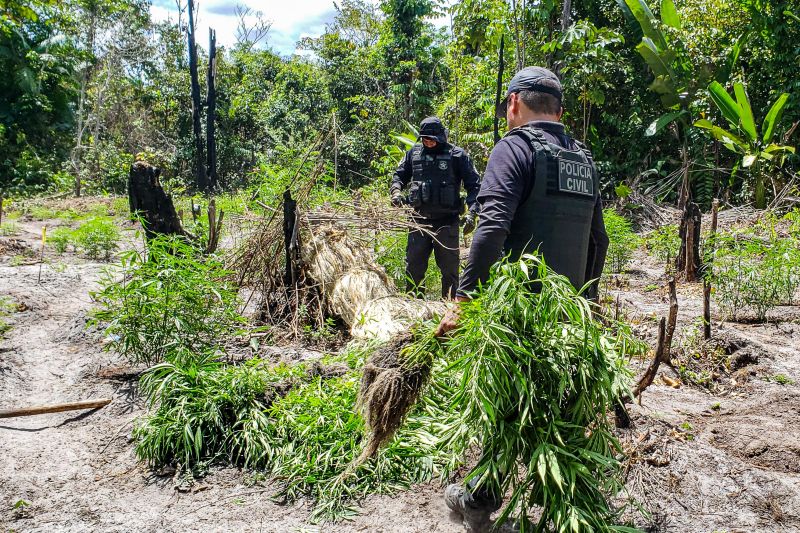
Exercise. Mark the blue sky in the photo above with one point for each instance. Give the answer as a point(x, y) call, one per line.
point(291, 19)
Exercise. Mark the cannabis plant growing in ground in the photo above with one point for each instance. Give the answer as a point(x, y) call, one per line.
point(754, 273)
point(538, 377)
point(170, 299)
point(664, 243)
point(97, 238)
point(623, 242)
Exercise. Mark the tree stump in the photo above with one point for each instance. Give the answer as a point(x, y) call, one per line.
point(147, 198)
point(688, 260)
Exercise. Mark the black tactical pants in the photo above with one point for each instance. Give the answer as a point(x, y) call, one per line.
point(444, 244)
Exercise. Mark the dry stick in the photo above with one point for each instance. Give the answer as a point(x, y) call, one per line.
point(706, 279)
point(56, 408)
point(672, 320)
point(666, 329)
point(650, 374)
point(41, 256)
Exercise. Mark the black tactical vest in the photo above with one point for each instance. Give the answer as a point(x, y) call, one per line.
point(434, 188)
point(556, 217)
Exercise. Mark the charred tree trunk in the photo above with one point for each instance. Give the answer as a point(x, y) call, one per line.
point(290, 237)
point(706, 273)
point(498, 93)
point(688, 260)
point(211, 110)
point(147, 199)
point(199, 163)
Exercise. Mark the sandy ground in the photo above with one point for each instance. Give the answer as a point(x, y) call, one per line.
point(699, 461)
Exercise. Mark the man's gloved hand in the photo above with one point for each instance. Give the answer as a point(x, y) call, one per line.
point(470, 221)
point(397, 198)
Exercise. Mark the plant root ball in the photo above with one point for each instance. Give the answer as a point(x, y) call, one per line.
point(388, 391)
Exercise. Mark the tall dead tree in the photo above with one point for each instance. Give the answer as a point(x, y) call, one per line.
point(498, 94)
point(211, 110)
point(199, 163)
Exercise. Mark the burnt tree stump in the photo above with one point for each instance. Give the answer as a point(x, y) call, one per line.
point(147, 198)
point(688, 260)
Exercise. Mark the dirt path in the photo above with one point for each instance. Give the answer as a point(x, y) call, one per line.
point(700, 461)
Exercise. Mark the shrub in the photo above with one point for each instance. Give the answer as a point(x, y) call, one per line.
point(751, 273)
point(9, 228)
point(60, 238)
point(664, 243)
point(174, 299)
point(97, 237)
point(622, 241)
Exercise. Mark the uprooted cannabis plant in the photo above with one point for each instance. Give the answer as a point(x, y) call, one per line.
point(538, 377)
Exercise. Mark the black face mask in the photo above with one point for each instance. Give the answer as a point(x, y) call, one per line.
point(438, 148)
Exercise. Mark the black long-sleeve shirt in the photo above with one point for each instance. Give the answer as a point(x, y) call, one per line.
point(462, 166)
point(507, 183)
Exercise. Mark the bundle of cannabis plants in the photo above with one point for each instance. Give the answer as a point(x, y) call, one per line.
point(538, 377)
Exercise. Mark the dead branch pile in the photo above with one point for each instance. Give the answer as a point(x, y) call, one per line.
point(332, 268)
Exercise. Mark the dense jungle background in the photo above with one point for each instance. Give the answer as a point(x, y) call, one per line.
point(90, 85)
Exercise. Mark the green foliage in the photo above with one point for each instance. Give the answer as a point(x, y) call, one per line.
point(97, 237)
point(538, 376)
point(170, 301)
point(8, 228)
point(754, 271)
point(781, 379)
point(7, 306)
point(37, 88)
point(60, 239)
point(206, 411)
point(760, 156)
point(623, 242)
point(664, 243)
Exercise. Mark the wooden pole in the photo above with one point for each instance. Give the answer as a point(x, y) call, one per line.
point(672, 320)
point(56, 408)
point(706, 278)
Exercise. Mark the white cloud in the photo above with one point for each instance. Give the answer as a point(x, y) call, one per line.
point(291, 19)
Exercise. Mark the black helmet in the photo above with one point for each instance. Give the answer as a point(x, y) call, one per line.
point(433, 128)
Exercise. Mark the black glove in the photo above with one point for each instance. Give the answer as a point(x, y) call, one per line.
point(397, 198)
point(470, 221)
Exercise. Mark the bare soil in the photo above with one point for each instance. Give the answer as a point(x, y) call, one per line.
point(722, 458)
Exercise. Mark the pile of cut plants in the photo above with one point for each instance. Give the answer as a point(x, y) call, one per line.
point(529, 376)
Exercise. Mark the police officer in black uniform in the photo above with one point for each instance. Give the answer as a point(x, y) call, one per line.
point(433, 172)
point(540, 191)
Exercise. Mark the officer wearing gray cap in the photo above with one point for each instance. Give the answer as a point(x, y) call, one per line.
point(434, 171)
point(539, 191)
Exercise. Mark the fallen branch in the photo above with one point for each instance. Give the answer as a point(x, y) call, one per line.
point(56, 408)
